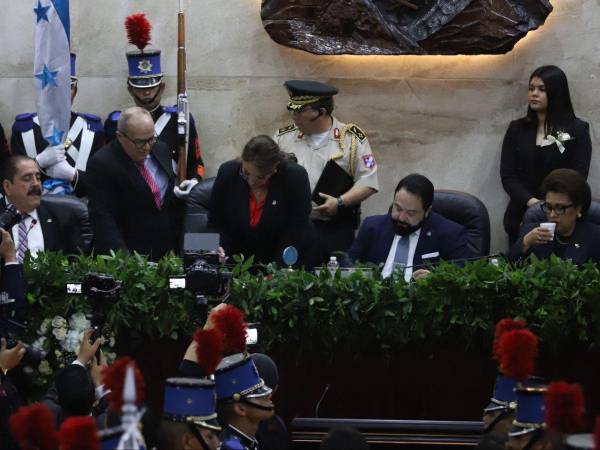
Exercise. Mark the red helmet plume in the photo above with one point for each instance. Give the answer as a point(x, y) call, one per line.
point(517, 350)
point(564, 407)
point(209, 349)
point(502, 327)
point(230, 321)
point(138, 30)
point(79, 433)
point(33, 428)
point(114, 380)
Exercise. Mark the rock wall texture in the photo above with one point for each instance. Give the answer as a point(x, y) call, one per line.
point(443, 116)
point(402, 27)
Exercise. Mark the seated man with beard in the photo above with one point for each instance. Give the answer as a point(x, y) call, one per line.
point(411, 236)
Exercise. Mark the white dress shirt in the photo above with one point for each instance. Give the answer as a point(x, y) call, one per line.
point(35, 237)
point(388, 268)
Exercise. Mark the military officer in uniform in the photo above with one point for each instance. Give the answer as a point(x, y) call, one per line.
point(64, 165)
point(323, 145)
point(146, 86)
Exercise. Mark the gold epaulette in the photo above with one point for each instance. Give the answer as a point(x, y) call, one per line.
point(286, 130)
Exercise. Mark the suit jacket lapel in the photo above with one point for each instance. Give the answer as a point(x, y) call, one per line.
point(424, 242)
point(49, 230)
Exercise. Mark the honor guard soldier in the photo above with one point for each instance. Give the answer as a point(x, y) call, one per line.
point(146, 86)
point(64, 168)
point(338, 158)
point(189, 417)
point(244, 401)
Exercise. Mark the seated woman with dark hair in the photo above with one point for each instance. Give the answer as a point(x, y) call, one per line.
point(260, 204)
point(566, 200)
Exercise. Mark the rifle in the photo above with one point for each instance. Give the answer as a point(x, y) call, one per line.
point(183, 111)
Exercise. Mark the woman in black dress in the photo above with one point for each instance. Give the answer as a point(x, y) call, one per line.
point(549, 137)
point(260, 204)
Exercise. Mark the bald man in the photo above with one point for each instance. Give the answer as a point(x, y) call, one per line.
point(131, 200)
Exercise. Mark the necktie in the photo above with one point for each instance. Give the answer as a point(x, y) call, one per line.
point(401, 256)
point(23, 241)
point(151, 183)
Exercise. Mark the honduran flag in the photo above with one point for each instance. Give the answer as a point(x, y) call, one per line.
point(51, 65)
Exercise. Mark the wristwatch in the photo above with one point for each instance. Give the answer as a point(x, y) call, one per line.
point(340, 202)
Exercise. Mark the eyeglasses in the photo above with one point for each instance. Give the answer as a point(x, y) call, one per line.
point(246, 175)
point(141, 143)
point(558, 209)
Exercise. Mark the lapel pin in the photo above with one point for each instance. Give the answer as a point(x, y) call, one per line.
point(274, 202)
point(48, 220)
point(429, 233)
point(577, 245)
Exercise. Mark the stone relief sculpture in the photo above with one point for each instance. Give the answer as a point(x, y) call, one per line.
point(402, 27)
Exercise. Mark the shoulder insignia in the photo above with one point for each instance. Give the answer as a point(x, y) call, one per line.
point(114, 116)
point(357, 132)
point(23, 122)
point(90, 117)
point(25, 116)
point(94, 123)
point(286, 130)
point(170, 109)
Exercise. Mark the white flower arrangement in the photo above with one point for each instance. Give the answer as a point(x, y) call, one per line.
point(559, 138)
point(61, 339)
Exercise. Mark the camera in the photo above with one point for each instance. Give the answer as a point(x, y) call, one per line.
point(9, 218)
point(100, 288)
point(204, 276)
point(11, 330)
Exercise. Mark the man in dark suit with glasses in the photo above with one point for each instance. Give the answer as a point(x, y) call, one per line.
point(131, 200)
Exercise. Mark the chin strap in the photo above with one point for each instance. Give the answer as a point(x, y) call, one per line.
point(254, 405)
point(537, 434)
point(152, 101)
point(198, 436)
point(494, 422)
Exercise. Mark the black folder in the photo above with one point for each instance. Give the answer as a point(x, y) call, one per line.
point(333, 181)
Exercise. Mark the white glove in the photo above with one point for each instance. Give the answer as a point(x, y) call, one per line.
point(50, 156)
point(62, 171)
point(183, 190)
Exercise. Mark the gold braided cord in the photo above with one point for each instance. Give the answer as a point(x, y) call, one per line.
point(353, 146)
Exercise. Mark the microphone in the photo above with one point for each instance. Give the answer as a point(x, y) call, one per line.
point(33, 224)
point(327, 386)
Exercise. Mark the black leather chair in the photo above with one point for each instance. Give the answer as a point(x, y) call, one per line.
point(534, 214)
point(74, 210)
point(470, 212)
point(196, 209)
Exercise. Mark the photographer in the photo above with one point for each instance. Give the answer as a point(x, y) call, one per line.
point(77, 391)
point(12, 284)
point(12, 276)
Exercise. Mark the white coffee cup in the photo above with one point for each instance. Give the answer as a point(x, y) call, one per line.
point(550, 226)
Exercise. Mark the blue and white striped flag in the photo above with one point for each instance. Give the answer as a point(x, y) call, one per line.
point(51, 65)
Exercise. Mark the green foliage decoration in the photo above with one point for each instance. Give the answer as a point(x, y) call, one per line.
point(328, 314)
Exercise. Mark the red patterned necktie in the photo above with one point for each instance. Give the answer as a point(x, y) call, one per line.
point(151, 183)
point(23, 241)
